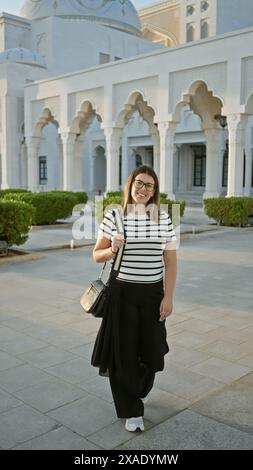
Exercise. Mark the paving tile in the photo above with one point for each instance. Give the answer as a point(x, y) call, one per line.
point(189, 339)
point(219, 369)
point(21, 424)
point(21, 377)
point(185, 383)
point(85, 416)
point(113, 435)
point(161, 405)
point(228, 350)
point(84, 350)
point(74, 371)
point(190, 431)
point(7, 334)
point(22, 344)
point(97, 386)
point(246, 361)
point(7, 361)
point(247, 379)
point(49, 395)
point(8, 401)
point(232, 405)
point(20, 323)
point(198, 326)
point(183, 357)
point(58, 439)
point(46, 357)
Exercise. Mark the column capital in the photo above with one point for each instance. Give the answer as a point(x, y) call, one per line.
point(32, 140)
point(167, 129)
point(237, 121)
point(68, 137)
point(113, 132)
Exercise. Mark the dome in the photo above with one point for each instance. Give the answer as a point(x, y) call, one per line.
point(22, 56)
point(119, 14)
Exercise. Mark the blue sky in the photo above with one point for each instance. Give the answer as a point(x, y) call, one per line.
point(13, 6)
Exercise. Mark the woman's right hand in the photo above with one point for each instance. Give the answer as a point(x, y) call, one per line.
point(117, 242)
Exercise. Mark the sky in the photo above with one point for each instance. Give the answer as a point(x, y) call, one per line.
point(13, 6)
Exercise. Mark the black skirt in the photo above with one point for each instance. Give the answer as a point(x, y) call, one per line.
point(107, 350)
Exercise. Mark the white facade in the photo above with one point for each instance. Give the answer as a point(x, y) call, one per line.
point(69, 120)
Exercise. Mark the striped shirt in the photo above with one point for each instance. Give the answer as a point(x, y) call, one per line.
point(142, 260)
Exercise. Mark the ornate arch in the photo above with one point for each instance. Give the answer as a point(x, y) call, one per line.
point(137, 102)
point(84, 117)
point(45, 118)
point(202, 101)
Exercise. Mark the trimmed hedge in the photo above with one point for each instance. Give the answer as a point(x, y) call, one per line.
point(229, 211)
point(49, 206)
point(81, 196)
point(16, 218)
point(3, 192)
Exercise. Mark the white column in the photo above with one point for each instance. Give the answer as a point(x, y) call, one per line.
point(124, 163)
point(176, 167)
point(213, 149)
point(248, 172)
point(23, 157)
point(236, 132)
point(68, 146)
point(220, 162)
point(10, 145)
point(33, 146)
point(156, 152)
point(112, 137)
point(78, 164)
point(167, 132)
point(60, 165)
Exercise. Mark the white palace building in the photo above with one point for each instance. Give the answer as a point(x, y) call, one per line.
point(90, 89)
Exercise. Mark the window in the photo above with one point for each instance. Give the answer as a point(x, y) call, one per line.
point(138, 160)
point(199, 175)
point(43, 170)
point(189, 10)
point(204, 29)
point(204, 6)
point(190, 32)
point(225, 167)
point(104, 58)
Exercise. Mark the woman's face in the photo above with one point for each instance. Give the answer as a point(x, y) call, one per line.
point(139, 192)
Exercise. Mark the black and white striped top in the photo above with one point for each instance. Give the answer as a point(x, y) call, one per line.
point(142, 260)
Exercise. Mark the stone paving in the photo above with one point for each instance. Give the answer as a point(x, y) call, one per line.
point(51, 397)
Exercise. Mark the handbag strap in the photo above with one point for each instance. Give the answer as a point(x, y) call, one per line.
point(117, 260)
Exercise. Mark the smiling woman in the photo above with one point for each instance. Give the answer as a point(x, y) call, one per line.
point(131, 342)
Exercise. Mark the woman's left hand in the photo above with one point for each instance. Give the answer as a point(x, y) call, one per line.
point(166, 308)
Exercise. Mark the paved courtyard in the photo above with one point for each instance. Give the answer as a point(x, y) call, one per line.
point(50, 396)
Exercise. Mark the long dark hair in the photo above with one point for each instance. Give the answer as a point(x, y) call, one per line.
point(155, 198)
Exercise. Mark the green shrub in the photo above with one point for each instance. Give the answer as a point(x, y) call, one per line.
point(49, 206)
point(81, 196)
point(16, 218)
point(3, 192)
point(229, 211)
point(115, 193)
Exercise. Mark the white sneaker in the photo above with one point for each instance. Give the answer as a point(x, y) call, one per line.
point(132, 424)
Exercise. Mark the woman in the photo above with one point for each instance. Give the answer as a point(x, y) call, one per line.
point(144, 291)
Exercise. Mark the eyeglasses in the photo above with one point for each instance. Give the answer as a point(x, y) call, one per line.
point(139, 184)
